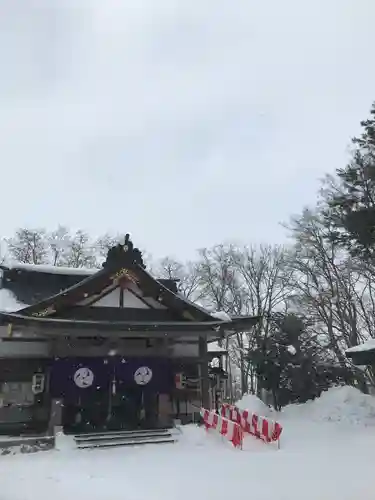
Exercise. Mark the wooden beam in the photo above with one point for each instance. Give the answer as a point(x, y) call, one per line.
point(33, 332)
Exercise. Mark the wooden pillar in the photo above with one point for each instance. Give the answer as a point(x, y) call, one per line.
point(205, 383)
point(55, 422)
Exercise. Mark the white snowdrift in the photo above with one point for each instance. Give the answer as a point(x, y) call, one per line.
point(254, 404)
point(339, 404)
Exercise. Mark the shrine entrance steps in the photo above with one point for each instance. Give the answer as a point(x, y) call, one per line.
point(113, 439)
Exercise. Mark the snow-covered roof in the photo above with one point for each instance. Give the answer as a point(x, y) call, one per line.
point(369, 345)
point(8, 301)
point(44, 268)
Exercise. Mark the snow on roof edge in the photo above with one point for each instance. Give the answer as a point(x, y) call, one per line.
point(369, 345)
point(49, 269)
point(222, 315)
point(214, 347)
point(9, 302)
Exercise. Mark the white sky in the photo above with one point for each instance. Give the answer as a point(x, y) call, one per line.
point(185, 123)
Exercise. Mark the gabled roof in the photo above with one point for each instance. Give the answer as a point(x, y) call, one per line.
point(32, 283)
point(124, 263)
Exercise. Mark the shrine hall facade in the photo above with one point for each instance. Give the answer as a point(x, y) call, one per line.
point(110, 349)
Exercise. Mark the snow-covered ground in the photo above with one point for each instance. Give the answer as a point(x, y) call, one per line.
point(327, 450)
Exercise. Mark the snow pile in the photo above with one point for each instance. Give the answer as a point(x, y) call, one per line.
point(339, 404)
point(254, 404)
point(8, 302)
point(343, 404)
point(193, 436)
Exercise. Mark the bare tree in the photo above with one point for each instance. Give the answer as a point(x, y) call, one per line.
point(187, 276)
point(81, 251)
point(329, 287)
point(59, 247)
point(264, 278)
point(244, 280)
point(59, 242)
point(3, 246)
point(105, 242)
point(28, 246)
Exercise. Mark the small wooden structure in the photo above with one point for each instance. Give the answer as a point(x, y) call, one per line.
point(364, 355)
point(112, 349)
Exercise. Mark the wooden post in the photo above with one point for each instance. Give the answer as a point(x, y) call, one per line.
point(55, 422)
point(203, 360)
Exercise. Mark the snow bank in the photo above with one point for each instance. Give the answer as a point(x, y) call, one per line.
point(192, 435)
point(254, 404)
point(339, 404)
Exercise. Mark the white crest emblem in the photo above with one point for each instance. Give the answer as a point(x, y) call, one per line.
point(83, 377)
point(143, 375)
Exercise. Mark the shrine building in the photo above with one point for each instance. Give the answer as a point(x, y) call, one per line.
point(115, 348)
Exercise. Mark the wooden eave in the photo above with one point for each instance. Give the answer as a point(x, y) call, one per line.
point(220, 327)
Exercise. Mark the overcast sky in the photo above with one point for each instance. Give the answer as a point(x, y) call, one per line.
point(185, 123)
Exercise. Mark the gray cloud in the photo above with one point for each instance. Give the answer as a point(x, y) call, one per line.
point(184, 123)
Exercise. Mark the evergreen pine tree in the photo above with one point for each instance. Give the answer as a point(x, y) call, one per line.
point(350, 211)
point(289, 366)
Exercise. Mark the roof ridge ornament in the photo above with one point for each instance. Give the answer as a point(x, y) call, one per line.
point(125, 255)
